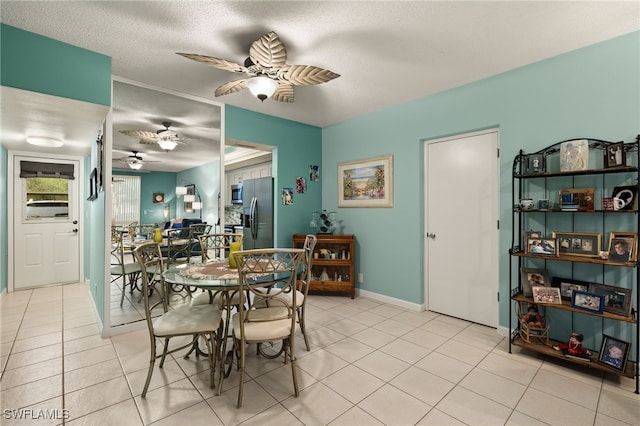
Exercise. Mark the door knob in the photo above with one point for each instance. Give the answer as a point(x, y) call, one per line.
point(75, 222)
point(75, 230)
point(431, 235)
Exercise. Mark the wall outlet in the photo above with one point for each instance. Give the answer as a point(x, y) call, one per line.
point(360, 277)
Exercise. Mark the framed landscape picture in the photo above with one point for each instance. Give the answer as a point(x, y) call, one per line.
point(366, 183)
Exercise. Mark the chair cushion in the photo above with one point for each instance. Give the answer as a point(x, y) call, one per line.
point(188, 320)
point(129, 268)
point(262, 331)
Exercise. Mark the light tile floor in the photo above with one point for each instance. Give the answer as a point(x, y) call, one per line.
point(370, 364)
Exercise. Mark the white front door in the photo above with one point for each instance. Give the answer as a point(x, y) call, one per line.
point(46, 240)
point(461, 249)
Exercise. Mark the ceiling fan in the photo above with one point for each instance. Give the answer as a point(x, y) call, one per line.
point(165, 138)
point(134, 161)
point(269, 74)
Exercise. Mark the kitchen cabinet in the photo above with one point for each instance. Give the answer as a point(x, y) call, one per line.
point(333, 267)
point(573, 228)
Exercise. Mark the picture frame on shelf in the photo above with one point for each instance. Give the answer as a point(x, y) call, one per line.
point(617, 300)
point(623, 247)
point(535, 164)
point(624, 197)
point(533, 277)
point(614, 155)
point(567, 286)
point(578, 243)
point(542, 246)
point(583, 198)
point(530, 234)
point(614, 353)
point(366, 183)
point(587, 301)
point(574, 155)
point(93, 185)
point(544, 295)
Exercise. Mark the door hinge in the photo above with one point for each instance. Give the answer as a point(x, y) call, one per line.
point(498, 296)
point(498, 223)
point(498, 152)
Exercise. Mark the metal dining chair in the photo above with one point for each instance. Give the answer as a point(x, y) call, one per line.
point(127, 272)
point(202, 320)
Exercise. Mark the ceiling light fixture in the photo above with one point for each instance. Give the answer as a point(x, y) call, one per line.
point(167, 143)
point(262, 87)
point(135, 166)
point(44, 141)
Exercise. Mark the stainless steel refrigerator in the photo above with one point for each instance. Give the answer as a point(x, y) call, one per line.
point(257, 206)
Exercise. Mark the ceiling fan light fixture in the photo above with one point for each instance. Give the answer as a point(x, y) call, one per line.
point(167, 144)
point(261, 87)
point(44, 141)
point(135, 166)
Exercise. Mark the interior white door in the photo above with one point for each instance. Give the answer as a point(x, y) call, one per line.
point(46, 246)
point(461, 222)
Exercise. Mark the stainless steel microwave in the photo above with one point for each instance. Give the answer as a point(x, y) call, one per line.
point(236, 193)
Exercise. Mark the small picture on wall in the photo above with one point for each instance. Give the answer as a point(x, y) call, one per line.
point(287, 196)
point(314, 173)
point(301, 185)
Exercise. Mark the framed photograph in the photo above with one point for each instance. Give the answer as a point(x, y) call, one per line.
point(535, 163)
point(568, 286)
point(577, 243)
point(530, 234)
point(546, 295)
point(624, 197)
point(587, 301)
point(614, 155)
point(574, 155)
point(614, 353)
point(366, 183)
point(617, 300)
point(100, 162)
point(532, 277)
point(582, 198)
point(544, 246)
point(93, 185)
point(623, 247)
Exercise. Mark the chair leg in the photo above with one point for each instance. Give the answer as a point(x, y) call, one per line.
point(152, 362)
point(124, 286)
point(292, 357)
point(164, 352)
point(302, 327)
point(241, 359)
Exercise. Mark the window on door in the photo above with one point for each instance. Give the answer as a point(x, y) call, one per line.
point(46, 198)
point(126, 200)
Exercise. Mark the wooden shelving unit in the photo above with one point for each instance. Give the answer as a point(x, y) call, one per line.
point(339, 267)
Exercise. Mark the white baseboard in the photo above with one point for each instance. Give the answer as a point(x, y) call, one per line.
point(391, 300)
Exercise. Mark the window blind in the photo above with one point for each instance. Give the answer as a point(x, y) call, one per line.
point(126, 199)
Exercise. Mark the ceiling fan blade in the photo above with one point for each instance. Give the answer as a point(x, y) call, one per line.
point(305, 75)
point(268, 51)
point(222, 64)
point(231, 87)
point(145, 136)
point(284, 93)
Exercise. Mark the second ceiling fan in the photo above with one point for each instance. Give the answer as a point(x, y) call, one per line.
point(165, 138)
point(268, 71)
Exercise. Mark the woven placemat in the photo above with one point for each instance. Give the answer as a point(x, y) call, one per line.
point(211, 271)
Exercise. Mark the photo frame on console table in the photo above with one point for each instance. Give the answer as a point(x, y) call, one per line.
point(533, 277)
point(614, 155)
point(366, 183)
point(567, 286)
point(623, 247)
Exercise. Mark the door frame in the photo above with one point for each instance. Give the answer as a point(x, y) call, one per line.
point(11, 187)
point(425, 200)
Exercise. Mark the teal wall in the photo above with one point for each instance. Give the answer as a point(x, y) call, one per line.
point(40, 64)
point(591, 92)
point(297, 146)
point(206, 178)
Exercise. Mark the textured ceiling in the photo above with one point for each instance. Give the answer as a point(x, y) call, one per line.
point(386, 52)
